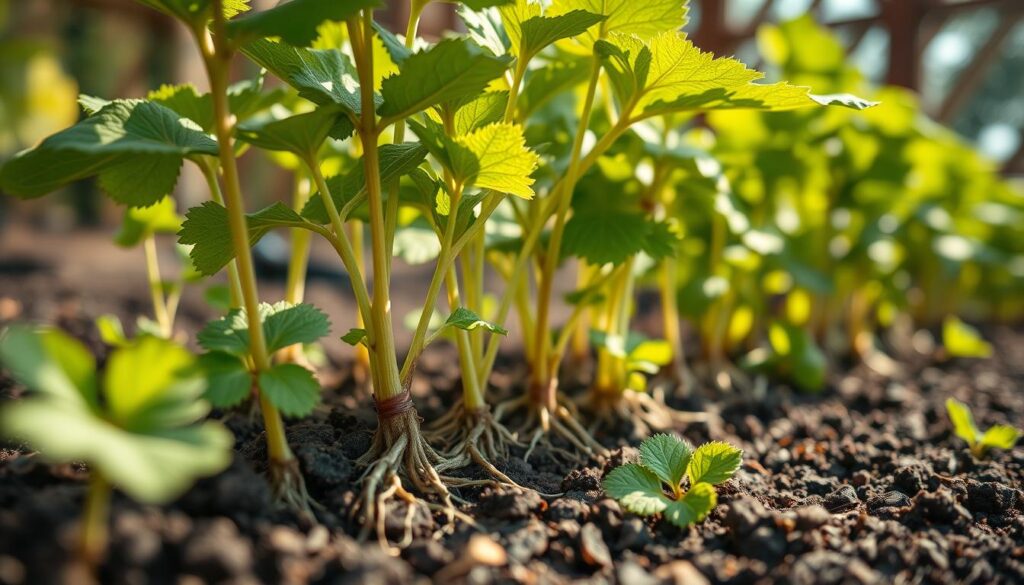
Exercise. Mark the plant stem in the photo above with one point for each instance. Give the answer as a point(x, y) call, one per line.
point(472, 396)
point(295, 286)
point(668, 278)
point(217, 61)
point(156, 287)
point(93, 535)
point(387, 383)
point(542, 341)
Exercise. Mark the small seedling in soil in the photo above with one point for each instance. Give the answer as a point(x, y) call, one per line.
point(137, 425)
point(655, 485)
point(996, 437)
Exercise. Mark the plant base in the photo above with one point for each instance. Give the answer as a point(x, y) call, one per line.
point(289, 487)
point(647, 412)
point(476, 437)
point(547, 416)
point(399, 449)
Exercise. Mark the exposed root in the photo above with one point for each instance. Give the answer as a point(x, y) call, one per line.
point(646, 411)
point(542, 422)
point(476, 437)
point(679, 376)
point(399, 451)
point(289, 488)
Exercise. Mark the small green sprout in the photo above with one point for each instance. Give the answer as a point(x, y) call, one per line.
point(654, 486)
point(997, 436)
point(137, 425)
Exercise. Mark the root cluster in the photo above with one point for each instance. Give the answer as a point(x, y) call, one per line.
point(477, 437)
point(647, 412)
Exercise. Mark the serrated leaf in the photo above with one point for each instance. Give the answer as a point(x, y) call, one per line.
point(134, 146)
point(487, 109)
point(301, 134)
point(845, 100)
point(396, 49)
point(291, 388)
point(494, 157)
point(963, 341)
point(667, 456)
point(207, 229)
point(284, 324)
point(447, 73)
point(698, 502)
point(111, 331)
point(1000, 437)
point(605, 236)
point(544, 83)
point(963, 422)
point(229, 382)
point(245, 99)
point(141, 222)
point(294, 21)
point(644, 19)
point(637, 489)
point(322, 76)
point(714, 463)
point(540, 31)
point(465, 319)
point(354, 336)
point(394, 161)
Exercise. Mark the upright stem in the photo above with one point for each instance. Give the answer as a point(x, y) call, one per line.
point(542, 339)
point(668, 283)
point(216, 60)
point(156, 286)
point(93, 535)
point(295, 286)
point(382, 345)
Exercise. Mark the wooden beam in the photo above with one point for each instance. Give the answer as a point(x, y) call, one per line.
point(902, 18)
point(974, 74)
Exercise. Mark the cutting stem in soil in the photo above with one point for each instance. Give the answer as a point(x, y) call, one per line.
point(286, 478)
point(93, 532)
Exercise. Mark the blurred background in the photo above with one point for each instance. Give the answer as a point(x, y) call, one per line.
point(965, 58)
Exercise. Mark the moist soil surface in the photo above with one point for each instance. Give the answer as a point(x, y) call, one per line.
point(862, 483)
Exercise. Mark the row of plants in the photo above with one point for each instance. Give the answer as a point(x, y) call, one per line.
point(582, 135)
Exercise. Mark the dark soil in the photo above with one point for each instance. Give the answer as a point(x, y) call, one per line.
point(864, 483)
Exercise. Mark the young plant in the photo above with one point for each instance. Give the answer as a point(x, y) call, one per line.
point(655, 485)
point(996, 437)
point(137, 425)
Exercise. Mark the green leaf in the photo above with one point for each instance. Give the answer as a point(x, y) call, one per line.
point(301, 134)
point(154, 467)
point(229, 382)
point(637, 489)
point(1000, 437)
point(294, 21)
point(650, 355)
point(142, 222)
point(493, 157)
point(667, 456)
point(714, 463)
point(245, 99)
point(963, 341)
point(291, 388)
point(644, 19)
point(396, 49)
point(111, 331)
point(321, 76)
point(611, 236)
point(196, 12)
point(394, 161)
point(134, 146)
point(544, 83)
point(483, 4)
point(207, 229)
point(540, 31)
point(146, 373)
point(487, 109)
point(963, 422)
point(448, 73)
point(354, 337)
point(465, 319)
point(50, 362)
point(284, 324)
point(698, 502)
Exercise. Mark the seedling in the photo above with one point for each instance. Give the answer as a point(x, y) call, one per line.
point(996, 437)
point(137, 425)
point(655, 485)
